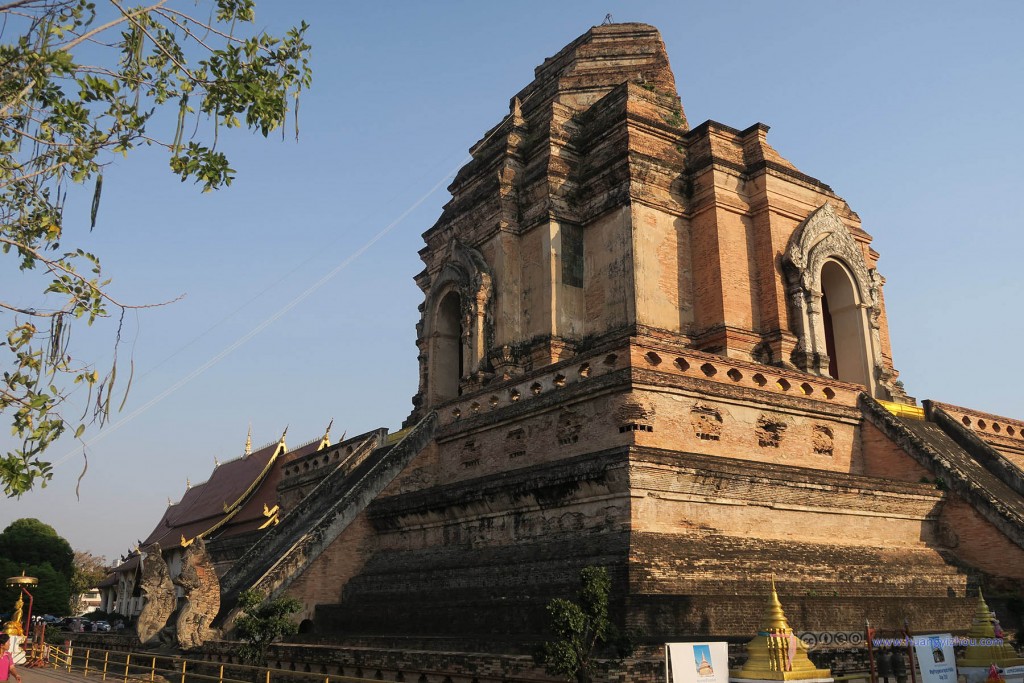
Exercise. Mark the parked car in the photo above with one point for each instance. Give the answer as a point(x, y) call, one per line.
point(102, 626)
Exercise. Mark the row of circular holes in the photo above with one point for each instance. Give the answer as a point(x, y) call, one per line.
point(735, 375)
point(996, 427)
point(708, 369)
point(536, 388)
point(315, 462)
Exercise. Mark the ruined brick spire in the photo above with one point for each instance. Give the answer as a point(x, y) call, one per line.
point(602, 58)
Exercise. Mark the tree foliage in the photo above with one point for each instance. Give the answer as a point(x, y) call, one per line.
point(88, 571)
point(262, 622)
point(31, 542)
point(581, 629)
point(30, 546)
point(80, 86)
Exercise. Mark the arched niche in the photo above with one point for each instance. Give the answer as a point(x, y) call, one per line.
point(446, 349)
point(844, 319)
point(833, 296)
point(457, 323)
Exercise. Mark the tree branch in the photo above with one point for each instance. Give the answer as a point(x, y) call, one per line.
point(160, 47)
point(55, 266)
point(126, 16)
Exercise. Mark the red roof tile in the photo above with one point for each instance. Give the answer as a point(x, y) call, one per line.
point(203, 506)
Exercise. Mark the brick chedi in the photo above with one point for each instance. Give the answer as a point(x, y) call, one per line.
point(659, 349)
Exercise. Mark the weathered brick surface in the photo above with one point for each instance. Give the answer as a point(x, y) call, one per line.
point(285, 552)
point(473, 593)
point(884, 459)
point(728, 615)
point(1003, 433)
point(632, 312)
point(977, 542)
point(301, 475)
point(995, 499)
point(712, 564)
point(325, 579)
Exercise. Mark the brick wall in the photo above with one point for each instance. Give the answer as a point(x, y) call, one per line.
point(738, 616)
point(883, 458)
point(976, 542)
point(324, 580)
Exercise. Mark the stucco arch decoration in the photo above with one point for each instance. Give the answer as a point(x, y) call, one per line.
point(823, 237)
point(465, 272)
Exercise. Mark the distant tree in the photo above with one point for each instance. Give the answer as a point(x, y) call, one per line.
point(581, 629)
point(53, 594)
point(89, 570)
point(49, 597)
point(81, 84)
point(29, 541)
point(262, 622)
point(30, 546)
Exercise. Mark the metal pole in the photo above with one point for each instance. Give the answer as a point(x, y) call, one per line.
point(106, 658)
point(183, 663)
point(152, 670)
point(127, 663)
point(869, 632)
point(220, 676)
point(910, 650)
point(28, 617)
point(87, 653)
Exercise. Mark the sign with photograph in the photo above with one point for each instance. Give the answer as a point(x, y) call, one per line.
point(935, 658)
point(697, 662)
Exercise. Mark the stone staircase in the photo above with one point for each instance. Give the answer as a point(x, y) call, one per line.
point(285, 551)
point(965, 464)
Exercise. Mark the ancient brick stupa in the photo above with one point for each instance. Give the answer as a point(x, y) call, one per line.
point(655, 348)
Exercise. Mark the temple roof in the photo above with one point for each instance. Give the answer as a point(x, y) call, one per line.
point(231, 501)
point(128, 564)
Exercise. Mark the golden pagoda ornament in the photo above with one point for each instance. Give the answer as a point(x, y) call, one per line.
point(776, 653)
point(985, 649)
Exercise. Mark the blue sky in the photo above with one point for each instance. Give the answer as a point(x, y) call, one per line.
point(911, 112)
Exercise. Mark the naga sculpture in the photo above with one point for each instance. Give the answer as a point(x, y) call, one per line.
point(202, 597)
point(160, 599)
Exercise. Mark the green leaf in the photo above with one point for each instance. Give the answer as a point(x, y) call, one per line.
point(81, 118)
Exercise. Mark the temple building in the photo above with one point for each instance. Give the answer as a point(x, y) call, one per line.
point(230, 510)
point(657, 348)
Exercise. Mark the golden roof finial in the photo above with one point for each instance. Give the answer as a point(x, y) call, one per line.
point(188, 483)
point(983, 617)
point(326, 440)
point(248, 441)
point(216, 462)
point(774, 618)
point(281, 446)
